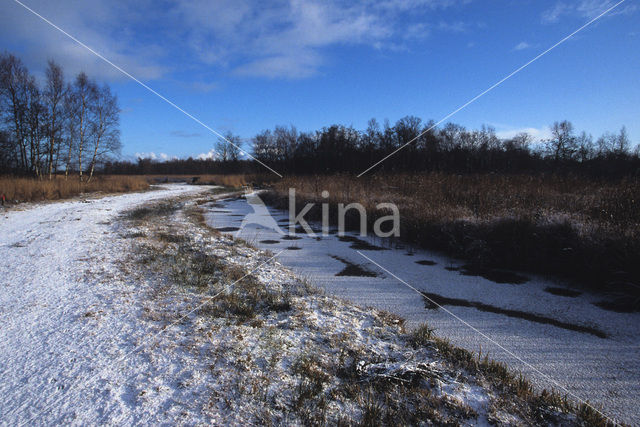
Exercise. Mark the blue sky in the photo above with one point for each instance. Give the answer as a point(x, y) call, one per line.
point(243, 66)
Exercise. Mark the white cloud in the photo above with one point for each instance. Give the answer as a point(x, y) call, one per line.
point(99, 25)
point(538, 134)
point(584, 9)
point(522, 46)
point(209, 155)
point(287, 39)
point(153, 156)
point(283, 39)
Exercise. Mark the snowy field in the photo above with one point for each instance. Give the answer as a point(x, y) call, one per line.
point(90, 336)
point(578, 348)
point(67, 316)
point(95, 331)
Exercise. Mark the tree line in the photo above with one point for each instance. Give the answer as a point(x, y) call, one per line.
point(54, 126)
point(450, 148)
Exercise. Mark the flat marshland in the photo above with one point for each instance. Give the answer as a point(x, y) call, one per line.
point(570, 227)
point(19, 189)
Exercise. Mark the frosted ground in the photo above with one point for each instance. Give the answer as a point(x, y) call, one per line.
point(604, 371)
point(90, 336)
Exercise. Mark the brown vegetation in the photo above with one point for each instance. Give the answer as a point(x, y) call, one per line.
point(333, 376)
point(226, 180)
point(32, 189)
point(570, 227)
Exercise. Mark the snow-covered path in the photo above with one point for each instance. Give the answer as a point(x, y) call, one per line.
point(63, 319)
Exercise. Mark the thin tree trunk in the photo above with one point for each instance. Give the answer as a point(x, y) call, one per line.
point(81, 142)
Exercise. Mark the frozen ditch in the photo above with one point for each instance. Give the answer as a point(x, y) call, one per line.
point(566, 340)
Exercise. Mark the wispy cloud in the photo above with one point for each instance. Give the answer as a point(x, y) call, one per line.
point(289, 39)
point(286, 39)
point(98, 24)
point(522, 46)
point(584, 9)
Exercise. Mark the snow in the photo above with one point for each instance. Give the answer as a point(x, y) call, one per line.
point(604, 372)
point(91, 337)
point(67, 314)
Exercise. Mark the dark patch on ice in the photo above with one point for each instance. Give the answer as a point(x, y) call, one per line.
point(237, 215)
point(624, 304)
point(294, 248)
point(432, 301)
point(227, 229)
point(360, 244)
point(451, 268)
point(426, 262)
point(353, 269)
point(563, 292)
point(300, 229)
point(269, 242)
point(291, 237)
point(495, 275)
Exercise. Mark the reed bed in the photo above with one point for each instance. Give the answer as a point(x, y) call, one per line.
point(563, 226)
point(18, 190)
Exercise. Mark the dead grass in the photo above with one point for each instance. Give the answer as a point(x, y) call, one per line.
point(531, 404)
point(232, 181)
point(30, 189)
point(330, 369)
point(575, 228)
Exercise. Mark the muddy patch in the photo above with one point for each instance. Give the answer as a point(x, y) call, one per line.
point(353, 269)
point(620, 305)
point(562, 292)
point(494, 275)
point(291, 238)
point(433, 301)
point(359, 244)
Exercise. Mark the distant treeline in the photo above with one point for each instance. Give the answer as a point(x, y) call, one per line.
point(450, 148)
point(57, 126)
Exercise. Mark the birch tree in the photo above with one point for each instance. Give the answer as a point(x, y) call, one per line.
point(53, 98)
point(104, 118)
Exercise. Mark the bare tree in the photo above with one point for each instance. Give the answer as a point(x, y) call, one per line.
point(14, 85)
point(521, 141)
point(53, 98)
point(622, 144)
point(83, 95)
point(562, 146)
point(104, 119)
point(585, 147)
point(264, 146)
